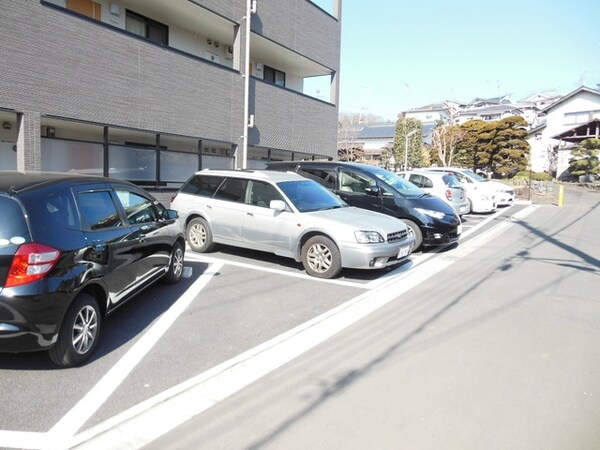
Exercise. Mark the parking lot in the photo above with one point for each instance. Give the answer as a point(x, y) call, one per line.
point(231, 301)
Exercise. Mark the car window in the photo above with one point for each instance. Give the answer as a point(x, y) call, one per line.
point(261, 194)
point(451, 181)
point(203, 185)
point(309, 195)
point(351, 181)
point(13, 227)
point(98, 210)
point(401, 185)
point(232, 189)
point(462, 178)
point(138, 209)
point(474, 176)
point(325, 176)
point(416, 179)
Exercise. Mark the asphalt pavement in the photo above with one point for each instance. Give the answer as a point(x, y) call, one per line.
point(500, 350)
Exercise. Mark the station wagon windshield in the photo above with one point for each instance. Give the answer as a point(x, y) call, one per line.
point(398, 183)
point(310, 196)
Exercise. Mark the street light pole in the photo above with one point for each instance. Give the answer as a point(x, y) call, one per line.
point(409, 134)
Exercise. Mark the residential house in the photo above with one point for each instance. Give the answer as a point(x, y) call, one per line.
point(567, 121)
point(487, 113)
point(152, 90)
point(374, 142)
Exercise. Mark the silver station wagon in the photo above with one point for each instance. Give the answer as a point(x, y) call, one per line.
point(289, 215)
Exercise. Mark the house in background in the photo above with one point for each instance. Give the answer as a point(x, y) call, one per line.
point(487, 113)
point(567, 120)
point(152, 90)
point(373, 142)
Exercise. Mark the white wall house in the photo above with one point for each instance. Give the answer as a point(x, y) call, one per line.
point(574, 109)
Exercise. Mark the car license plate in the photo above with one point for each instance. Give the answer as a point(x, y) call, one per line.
point(403, 252)
point(459, 229)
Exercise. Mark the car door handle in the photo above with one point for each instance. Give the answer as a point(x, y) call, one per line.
point(249, 214)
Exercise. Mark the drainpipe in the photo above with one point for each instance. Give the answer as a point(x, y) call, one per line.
point(250, 9)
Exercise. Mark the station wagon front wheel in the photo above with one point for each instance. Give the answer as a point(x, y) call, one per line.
point(199, 236)
point(321, 257)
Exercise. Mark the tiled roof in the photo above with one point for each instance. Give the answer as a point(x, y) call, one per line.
point(376, 131)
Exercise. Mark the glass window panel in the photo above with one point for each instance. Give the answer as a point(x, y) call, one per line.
point(177, 166)
point(158, 33)
point(203, 185)
point(138, 209)
point(262, 193)
point(136, 24)
point(8, 157)
point(71, 156)
point(98, 210)
point(132, 163)
point(233, 189)
point(217, 162)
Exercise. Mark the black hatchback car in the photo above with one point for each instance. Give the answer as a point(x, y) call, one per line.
point(432, 221)
point(72, 249)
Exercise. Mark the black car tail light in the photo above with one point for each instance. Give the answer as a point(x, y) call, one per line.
point(31, 262)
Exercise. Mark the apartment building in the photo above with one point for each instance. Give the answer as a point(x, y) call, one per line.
point(152, 90)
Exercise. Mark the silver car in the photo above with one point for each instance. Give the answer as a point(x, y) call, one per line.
point(443, 185)
point(289, 215)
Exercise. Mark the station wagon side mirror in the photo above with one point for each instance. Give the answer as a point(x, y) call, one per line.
point(277, 205)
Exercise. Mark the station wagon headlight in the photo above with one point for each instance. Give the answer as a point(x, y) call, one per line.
point(431, 213)
point(368, 237)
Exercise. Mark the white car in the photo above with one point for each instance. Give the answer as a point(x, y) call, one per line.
point(289, 215)
point(504, 194)
point(482, 196)
point(443, 185)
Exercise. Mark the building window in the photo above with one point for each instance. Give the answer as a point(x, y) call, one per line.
point(578, 118)
point(147, 28)
point(274, 76)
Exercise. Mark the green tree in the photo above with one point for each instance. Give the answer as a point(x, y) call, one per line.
point(499, 146)
point(416, 152)
point(584, 159)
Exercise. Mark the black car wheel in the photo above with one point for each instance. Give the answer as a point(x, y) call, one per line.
point(416, 233)
point(79, 333)
point(199, 236)
point(175, 265)
point(321, 257)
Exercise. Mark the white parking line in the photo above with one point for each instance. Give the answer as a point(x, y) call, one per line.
point(61, 435)
point(210, 259)
point(149, 420)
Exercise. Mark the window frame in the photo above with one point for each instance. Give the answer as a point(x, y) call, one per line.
point(273, 79)
point(148, 22)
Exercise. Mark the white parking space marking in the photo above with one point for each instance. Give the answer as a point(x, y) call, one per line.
point(61, 435)
point(210, 259)
point(147, 421)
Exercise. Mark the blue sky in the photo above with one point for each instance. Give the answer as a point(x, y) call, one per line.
point(399, 54)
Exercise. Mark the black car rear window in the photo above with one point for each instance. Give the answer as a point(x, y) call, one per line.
point(98, 210)
point(203, 185)
point(13, 226)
